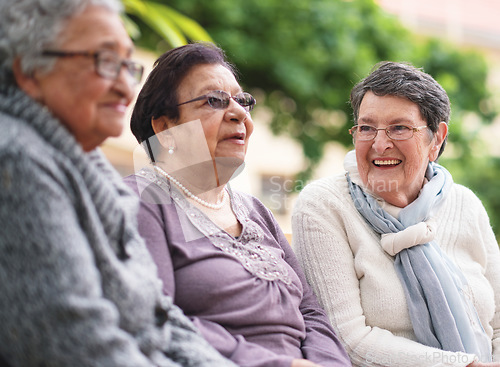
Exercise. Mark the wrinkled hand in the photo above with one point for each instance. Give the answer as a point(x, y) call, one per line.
point(306, 363)
point(481, 364)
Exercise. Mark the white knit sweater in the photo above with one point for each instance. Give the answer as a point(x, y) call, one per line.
point(356, 282)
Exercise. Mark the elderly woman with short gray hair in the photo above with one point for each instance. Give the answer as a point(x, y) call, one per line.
point(78, 287)
point(404, 260)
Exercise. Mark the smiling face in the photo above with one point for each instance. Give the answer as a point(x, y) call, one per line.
point(227, 131)
point(90, 106)
point(394, 170)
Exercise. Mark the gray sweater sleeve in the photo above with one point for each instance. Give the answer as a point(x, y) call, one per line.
point(52, 309)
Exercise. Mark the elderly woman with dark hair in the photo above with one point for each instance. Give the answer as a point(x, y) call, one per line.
point(403, 260)
point(220, 253)
point(78, 286)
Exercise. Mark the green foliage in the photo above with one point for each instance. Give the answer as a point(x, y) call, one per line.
point(166, 23)
point(306, 55)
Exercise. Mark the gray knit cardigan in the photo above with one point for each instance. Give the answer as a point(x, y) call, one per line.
point(78, 286)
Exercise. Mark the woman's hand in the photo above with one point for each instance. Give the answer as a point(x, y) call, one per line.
point(480, 364)
point(306, 363)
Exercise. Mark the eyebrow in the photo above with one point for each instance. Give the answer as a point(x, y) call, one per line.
point(399, 120)
point(111, 45)
point(212, 88)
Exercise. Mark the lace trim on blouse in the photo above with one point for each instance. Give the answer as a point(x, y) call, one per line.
point(247, 248)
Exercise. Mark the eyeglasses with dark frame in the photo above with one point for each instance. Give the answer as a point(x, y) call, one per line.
point(107, 63)
point(394, 132)
point(219, 100)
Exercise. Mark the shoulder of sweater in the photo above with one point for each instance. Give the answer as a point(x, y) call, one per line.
point(461, 192)
point(20, 141)
point(323, 198)
point(461, 198)
point(27, 155)
point(252, 203)
point(246, 197)
point(134, 182)
point(148, 193)
point(333, 187)
point(16, 134)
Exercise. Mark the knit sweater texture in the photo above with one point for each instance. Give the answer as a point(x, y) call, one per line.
point(356, 282)
point(78, 286)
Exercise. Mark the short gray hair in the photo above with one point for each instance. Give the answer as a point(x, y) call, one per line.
point(407, 81)
point(27, 27)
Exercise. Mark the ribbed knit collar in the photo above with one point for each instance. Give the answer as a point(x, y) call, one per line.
point(109, 195)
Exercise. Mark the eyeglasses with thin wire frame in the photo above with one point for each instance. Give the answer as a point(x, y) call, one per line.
point(219, 100)
point(394, 132)
point(107, 63)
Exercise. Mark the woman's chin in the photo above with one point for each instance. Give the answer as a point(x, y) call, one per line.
point(230, 161)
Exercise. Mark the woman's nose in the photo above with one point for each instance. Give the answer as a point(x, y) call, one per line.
point(381, 142)
point(125, 83)
point(236, 112)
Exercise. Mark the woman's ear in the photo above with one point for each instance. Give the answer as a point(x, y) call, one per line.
point(27, 83)
point(160, 124)
point(438, 140)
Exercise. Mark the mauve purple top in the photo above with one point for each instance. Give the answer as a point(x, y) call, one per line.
point(247, 295)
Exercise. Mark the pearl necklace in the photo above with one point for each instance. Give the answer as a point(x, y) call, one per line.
point(189, 194)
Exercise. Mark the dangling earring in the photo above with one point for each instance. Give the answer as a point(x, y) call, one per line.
point(170, 142)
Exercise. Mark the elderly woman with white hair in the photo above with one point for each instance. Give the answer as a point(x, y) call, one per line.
point(78, 287)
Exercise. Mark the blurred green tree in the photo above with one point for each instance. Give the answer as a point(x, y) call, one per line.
point(304, 56)
point(148, 22)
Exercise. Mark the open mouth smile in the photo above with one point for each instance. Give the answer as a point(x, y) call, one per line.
point(386, 162)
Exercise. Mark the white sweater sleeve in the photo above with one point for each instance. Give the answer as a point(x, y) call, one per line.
point(491, 272)
point(338, 251)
